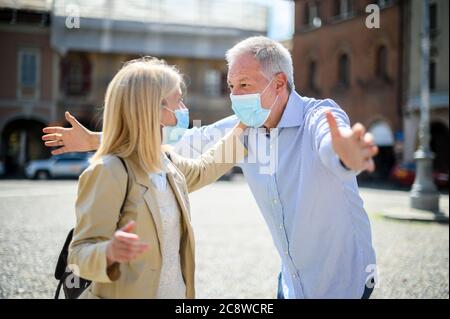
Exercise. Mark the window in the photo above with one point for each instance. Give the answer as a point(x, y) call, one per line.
point(28, 70)
point(384, 3)
point(225, 89)
point(311, 15)
point(344, 70)
point(213, 82)
point(433, 19)
point(75, 74)
point(381, 64)
point(342, 8)
point(75, 84)
point(432, 78)
point(306, 14)
point(314, 19)
point(29, 63)
point(74, 160)
point(312, 75)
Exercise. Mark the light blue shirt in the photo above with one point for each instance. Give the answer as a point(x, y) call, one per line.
point(310, 202)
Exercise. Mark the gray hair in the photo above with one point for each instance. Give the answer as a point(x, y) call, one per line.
point(273, 56)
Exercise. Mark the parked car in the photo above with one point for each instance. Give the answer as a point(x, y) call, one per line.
point(65, 165)
point(405, 173)
point(2, 168)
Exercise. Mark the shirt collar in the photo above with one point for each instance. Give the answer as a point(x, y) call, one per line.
point(293, 113)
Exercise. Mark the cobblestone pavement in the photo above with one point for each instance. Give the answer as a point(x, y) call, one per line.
point(235, 253)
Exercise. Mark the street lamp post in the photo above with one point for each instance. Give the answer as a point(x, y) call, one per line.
point(424, 194)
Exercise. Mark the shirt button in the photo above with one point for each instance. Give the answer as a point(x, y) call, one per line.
point(286, 252)
point(294, 276)
point(275, 201)
point(281, 226)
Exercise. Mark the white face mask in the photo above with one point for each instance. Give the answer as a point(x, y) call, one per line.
point(172, 134)
point(248, 109)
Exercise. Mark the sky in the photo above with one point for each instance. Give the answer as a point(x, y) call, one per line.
point(281, 20)
point(281, 25)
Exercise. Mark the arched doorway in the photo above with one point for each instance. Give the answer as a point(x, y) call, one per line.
point(21, 143)
point(384, 138)
point(439, 146)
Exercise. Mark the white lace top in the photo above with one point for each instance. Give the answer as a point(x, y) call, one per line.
point(171, 285)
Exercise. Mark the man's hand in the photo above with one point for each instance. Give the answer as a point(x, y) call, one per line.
point(74, 139)
point(355, 148)
point(125, 246)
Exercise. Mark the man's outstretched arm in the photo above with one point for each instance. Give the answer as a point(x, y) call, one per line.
point(346, 151)
point(354, 147)
point(74, 139)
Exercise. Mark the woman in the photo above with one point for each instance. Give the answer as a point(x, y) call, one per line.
point(146, 248)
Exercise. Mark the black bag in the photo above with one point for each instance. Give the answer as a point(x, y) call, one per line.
point(63, 274)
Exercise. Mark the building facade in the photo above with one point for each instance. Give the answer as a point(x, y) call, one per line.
point(27, 82)
point(60, 55)
point(340, 54)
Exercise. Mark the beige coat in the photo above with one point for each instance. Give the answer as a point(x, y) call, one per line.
point(101, 192)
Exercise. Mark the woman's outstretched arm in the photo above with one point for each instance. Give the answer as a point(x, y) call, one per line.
point(214, 162)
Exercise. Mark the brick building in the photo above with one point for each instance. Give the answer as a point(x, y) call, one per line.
point(374, 72)
point(337, 56)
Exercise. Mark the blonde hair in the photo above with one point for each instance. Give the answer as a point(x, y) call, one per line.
point(131, 116)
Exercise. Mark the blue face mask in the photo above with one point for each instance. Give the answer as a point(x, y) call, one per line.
point(172, 134)
point(248, 109)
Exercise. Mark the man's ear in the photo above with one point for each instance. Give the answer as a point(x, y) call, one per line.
point(281, 80)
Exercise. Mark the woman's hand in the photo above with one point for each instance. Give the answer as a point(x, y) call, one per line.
point(125, 246)
point(74, 139)
point(242, 126)
point(239, 129)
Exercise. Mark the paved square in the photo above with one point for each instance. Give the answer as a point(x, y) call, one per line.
point(235, 254)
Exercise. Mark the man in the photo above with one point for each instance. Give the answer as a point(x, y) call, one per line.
point(309, 198)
